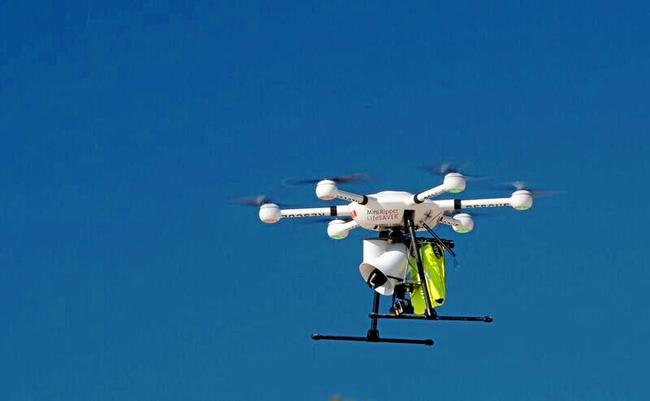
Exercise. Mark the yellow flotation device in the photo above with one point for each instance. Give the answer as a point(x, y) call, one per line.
point(433, 261)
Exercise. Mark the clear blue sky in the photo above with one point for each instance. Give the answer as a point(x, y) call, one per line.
point(126, 275)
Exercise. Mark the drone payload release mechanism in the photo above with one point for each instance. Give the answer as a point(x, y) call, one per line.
point(397, 216)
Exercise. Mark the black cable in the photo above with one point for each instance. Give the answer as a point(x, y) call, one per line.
point(439, 239)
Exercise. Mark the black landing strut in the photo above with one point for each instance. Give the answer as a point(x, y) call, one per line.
point(373, 333)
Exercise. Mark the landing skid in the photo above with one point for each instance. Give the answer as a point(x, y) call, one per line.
point(373, 338)
point(373, 333)
point(484, 319)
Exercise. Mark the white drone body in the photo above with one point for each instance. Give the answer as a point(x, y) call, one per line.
point(385, 210)
point(397, 215)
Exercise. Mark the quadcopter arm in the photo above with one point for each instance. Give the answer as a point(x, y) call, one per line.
point(429, 193)
point(327, 190)
point(449, 221)
point(338, 230)
point(351, 197)
point(519, 200)
point(463, 222)
point(458, 204)
point(316, 212)
point(271, 213)
point(453, 182)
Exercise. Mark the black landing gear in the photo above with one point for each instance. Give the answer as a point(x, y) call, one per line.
point(373, 334)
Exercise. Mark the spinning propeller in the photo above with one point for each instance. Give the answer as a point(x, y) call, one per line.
point(256, 201)
point(449, 167)
point(519, 185)
point(342, 179)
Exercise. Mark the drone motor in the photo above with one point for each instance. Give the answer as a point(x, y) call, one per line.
point(521, 200)
point(336, 229)
point(270, 213)
point(466, 223)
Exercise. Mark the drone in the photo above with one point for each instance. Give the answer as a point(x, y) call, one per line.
point(398, 218)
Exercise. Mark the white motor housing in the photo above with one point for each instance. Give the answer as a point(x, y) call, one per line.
point(334, 230)
point(521, 200)
point(270, 213)
point(326, 190)
point(454, 182)
point(466, 223)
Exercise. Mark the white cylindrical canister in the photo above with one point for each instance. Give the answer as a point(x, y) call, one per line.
point(373, 248)
point(383, 272)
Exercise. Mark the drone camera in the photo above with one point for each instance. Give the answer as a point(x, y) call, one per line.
point(376, 279)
